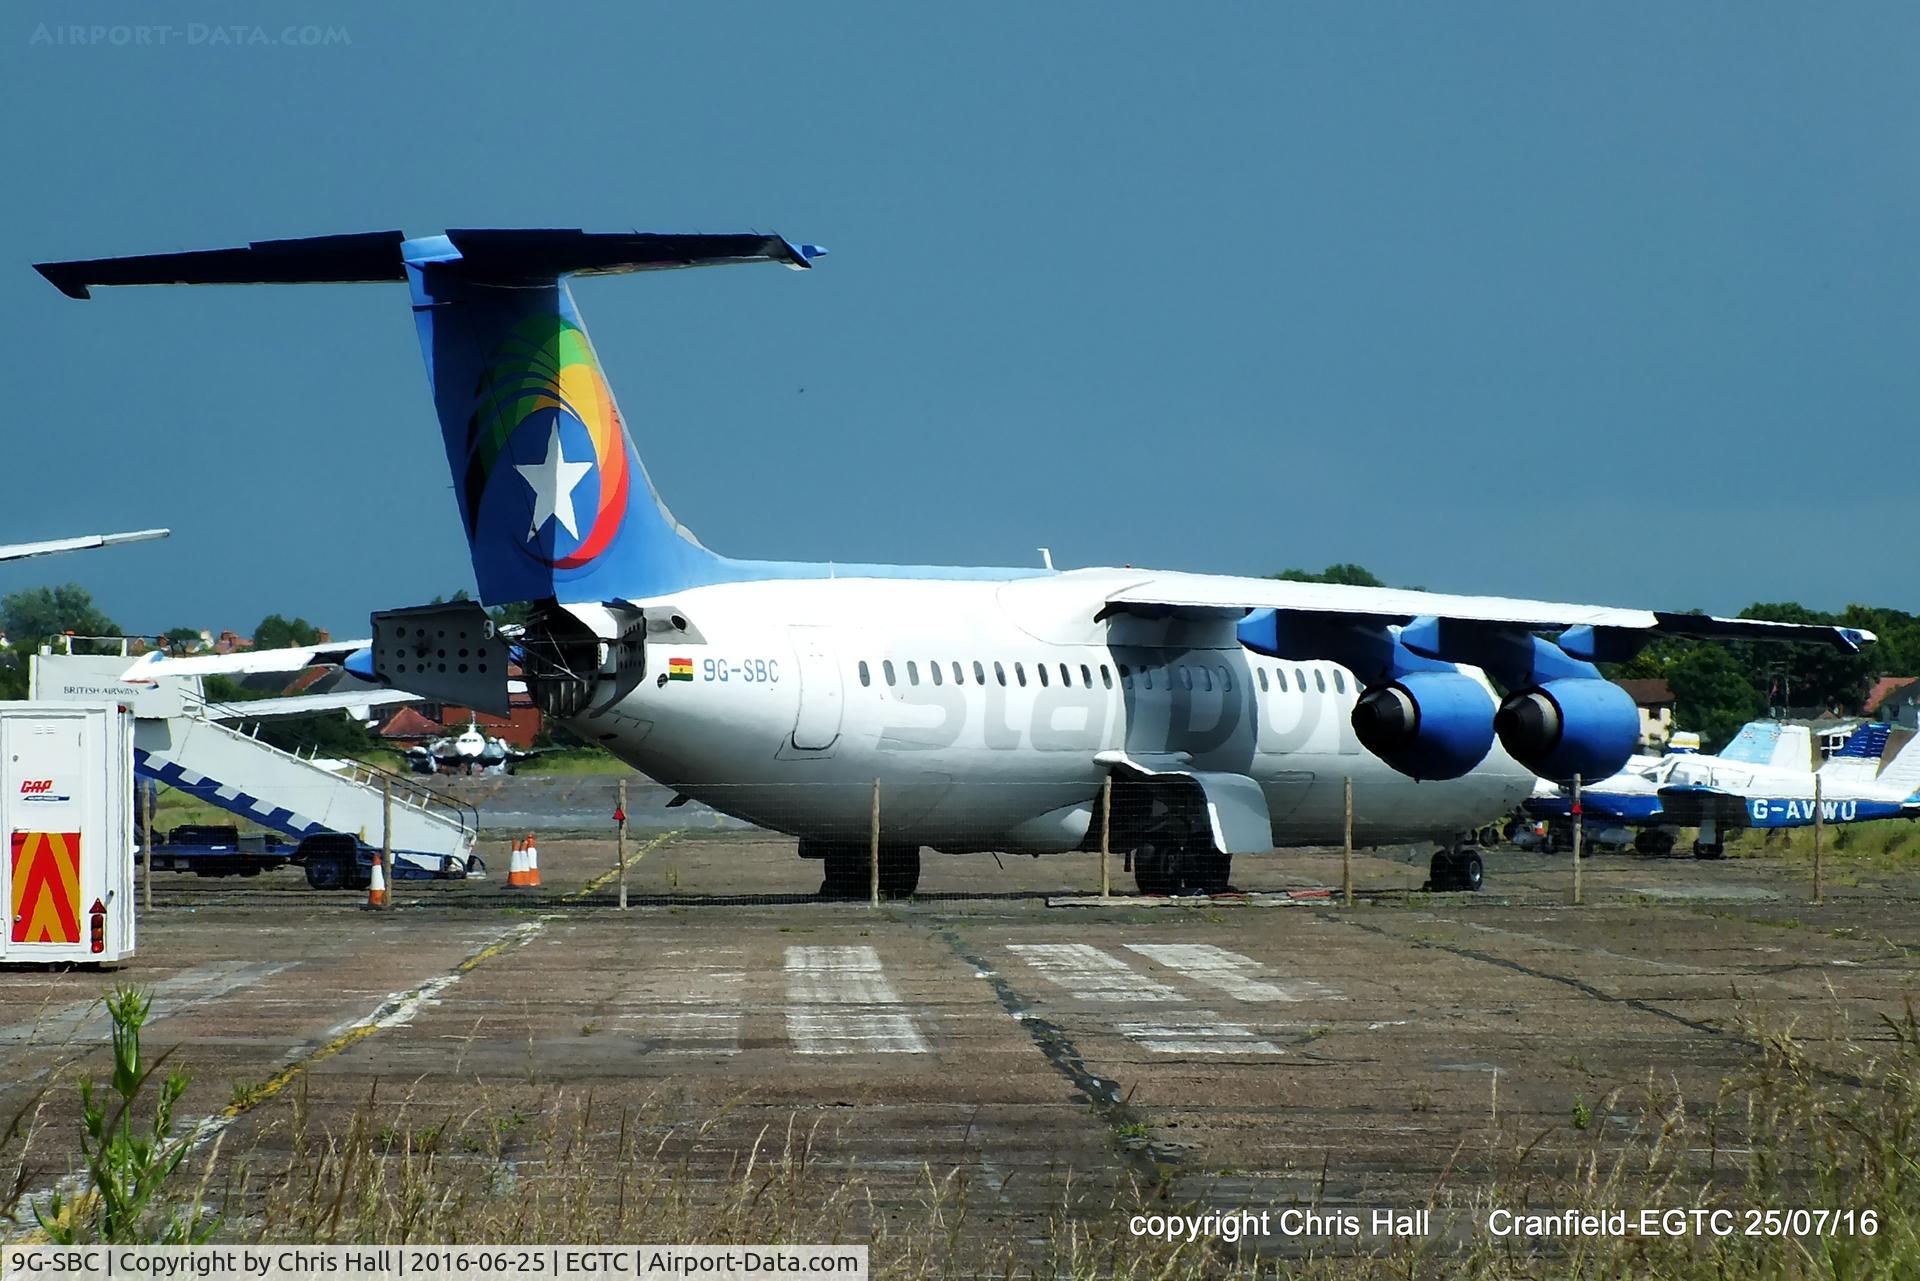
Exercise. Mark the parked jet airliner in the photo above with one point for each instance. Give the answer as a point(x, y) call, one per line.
point(990, 704)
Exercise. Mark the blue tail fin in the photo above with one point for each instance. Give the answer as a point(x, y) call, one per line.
point(553, 497)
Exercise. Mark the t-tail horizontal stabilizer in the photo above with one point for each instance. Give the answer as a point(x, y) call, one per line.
point(554, 499)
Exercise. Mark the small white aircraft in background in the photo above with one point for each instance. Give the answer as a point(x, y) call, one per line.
point(468, 752)
point(21, 551)
point(991, 707)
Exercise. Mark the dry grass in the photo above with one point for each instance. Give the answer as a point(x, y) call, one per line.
point(1828, 1119)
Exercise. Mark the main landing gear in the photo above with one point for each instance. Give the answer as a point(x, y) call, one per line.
point(1172, 842)
point(1456, 870)
point(849, 874)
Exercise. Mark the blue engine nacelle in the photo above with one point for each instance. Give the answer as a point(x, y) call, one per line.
point(1428, 725)
point(1572, 726)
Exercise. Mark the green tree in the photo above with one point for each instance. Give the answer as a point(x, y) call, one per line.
point(1345, 572)
point(276, 632)
point(1807, 675)
point(31, 616)
point(1712, 694)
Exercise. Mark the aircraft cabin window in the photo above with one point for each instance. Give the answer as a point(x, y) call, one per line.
point(913, 672)
point(959, 673)
point(980, 674)
point(1300, 678)
point(1126, 676)
point(1106, 677)
point(933, 670)
point(999, 672)
point(1226, 680)
point(886, 669)
point(1040, 670)
point(1146, 677)
point(1339, 684)
point(1020, 674)
point(866, 676)
point(1066, 675)
point(1262, 672)
point(1320, 681)
point(1086, 675)
point(1206, 678)
point(1280, 675)
point(1186, 677)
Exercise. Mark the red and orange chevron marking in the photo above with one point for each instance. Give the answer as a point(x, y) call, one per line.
point(46, 887)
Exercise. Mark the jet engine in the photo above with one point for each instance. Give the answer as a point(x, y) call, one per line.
point(1575, 725)
point(1427, 725)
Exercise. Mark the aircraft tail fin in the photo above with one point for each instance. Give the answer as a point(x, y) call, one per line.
point(552, 493)
point(1771, 743)
point(1858, 759)
point(1903, 771)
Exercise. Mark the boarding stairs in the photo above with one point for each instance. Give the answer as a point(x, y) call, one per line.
point(186, 742)
point(294, 794)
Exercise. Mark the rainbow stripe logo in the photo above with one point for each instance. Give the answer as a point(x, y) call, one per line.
point(543, 409)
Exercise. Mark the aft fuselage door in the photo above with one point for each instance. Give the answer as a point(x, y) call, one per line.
point(817, 723)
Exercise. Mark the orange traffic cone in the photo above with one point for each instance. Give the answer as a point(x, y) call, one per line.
point(533, 863)
point(377, 887)
point(517, 867)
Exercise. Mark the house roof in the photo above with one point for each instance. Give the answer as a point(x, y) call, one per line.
point(1885, 688)
point(1652, 691)
point(409, 723)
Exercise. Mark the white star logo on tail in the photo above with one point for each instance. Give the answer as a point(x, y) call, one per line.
point(553, 482)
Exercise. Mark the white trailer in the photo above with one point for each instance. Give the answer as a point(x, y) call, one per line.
point(66, 802)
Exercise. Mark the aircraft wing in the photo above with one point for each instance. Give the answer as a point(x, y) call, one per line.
point(1209, 595)
point(20, 551)
point(299, 658)
point(1691, 804)
point(301, 704)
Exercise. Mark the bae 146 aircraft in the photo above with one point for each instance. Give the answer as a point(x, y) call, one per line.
point(990, 704)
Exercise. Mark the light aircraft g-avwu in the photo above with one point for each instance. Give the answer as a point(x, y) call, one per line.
point(1765, 759)
point(991, 705)
point(1716, 797)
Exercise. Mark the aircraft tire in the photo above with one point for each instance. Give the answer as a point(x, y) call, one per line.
point(1470, 872)
point(1704, 851)
point(899, 871)
point(1209, 871)
point(1442, 871)
point(1653, 842)
point(1156, 867)
point(846, 875)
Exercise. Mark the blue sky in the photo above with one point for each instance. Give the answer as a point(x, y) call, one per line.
point(1595, 302)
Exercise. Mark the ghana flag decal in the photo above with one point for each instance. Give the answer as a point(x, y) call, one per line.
point(545, 445)
point(679, 669)
point(46, 887)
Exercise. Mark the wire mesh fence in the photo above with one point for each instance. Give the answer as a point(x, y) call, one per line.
point(936, 840)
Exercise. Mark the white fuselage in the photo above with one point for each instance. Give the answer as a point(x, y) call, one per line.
point(983, 708)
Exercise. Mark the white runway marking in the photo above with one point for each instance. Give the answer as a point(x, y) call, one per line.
point(837, 999)
point(1202, 1035)
point(1091, 974)
point(85, 1022)
point(695, 1010)
point(1216, 967)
